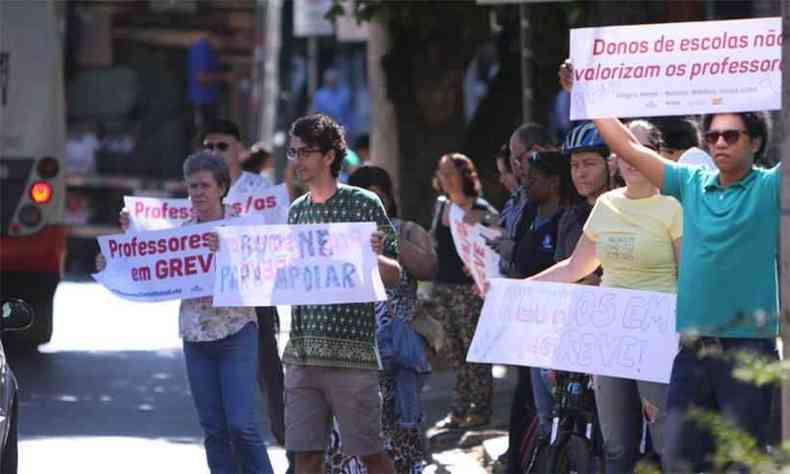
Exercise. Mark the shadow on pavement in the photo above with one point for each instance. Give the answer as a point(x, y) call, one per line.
point(128, 393)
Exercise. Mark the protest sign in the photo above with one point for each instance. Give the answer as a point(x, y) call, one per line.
point(159, 265)
point(269, 204)
point(147, 213)
point(677, 68)
point(307, 264)
point(579, 328)
point(262, 206)
point(470, 242)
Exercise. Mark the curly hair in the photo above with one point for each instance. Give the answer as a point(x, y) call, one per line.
point(466, 168)
point(323, 132)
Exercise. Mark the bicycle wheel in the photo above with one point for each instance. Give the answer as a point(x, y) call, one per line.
point(573, 455)
point(541, 460)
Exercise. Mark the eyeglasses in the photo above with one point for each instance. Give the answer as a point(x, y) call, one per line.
point(535, 157)
point(219, 146)
point(730, 136)
point(295, 154)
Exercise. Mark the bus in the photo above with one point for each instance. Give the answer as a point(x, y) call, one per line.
point(32, 147)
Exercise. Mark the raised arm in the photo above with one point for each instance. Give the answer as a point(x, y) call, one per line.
point(581, 263)
point(624, 144)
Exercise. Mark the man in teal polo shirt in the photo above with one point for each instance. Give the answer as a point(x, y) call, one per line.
point(727, 287)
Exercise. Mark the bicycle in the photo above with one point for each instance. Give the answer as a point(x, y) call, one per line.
point(575, 445)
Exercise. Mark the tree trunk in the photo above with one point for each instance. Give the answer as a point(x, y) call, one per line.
point(425, 66)
point(384, 146)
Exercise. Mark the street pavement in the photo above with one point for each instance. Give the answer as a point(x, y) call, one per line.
point(109, 394)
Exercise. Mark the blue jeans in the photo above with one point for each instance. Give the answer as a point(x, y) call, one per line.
point(544, 400)
point(222, 380)
point(707, 382)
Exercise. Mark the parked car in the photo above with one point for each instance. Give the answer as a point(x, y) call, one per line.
point(17, 315)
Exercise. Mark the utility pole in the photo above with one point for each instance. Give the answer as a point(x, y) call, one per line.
point(267, 59)
point(784, 241)
point(384, 137)
point(525, 36)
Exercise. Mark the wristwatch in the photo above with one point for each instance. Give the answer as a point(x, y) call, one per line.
point(488, 218)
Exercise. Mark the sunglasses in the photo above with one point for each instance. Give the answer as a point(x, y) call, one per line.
point(730, 136)
point(219, 146)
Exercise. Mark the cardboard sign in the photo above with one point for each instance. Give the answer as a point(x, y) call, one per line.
point(307, 264)
point(579, 328)
point(677, 68)
point(169, 264)
point(470, 243)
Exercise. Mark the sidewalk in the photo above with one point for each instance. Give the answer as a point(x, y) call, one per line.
point(467, 455)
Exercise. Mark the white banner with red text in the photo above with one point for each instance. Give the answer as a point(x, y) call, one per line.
point(264, 206)
point(676, 68)
point(269, 204)
point(470, 243)
point(308, 264)
point(149, 213)
point(579, 328)
point(170, 264)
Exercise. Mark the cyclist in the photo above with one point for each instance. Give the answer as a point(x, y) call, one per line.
point(591, 174)
point(550, 192)
point(635, 234)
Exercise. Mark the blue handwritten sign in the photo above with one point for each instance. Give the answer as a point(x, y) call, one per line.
point(297, 264)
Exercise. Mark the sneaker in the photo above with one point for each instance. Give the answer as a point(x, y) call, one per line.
point(474, 421)
point(500, 465)
point(450, 422)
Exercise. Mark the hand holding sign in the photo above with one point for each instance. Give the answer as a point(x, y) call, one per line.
point(212, 241)
point(377, 242)
point(471, 244)
point(566, 75)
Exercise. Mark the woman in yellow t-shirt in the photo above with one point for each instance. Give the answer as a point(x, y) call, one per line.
point(634, 233)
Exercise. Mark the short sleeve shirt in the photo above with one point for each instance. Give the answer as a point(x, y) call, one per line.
point(338, 335)
point(728, 271)
point(633, 240)
point(200, 321)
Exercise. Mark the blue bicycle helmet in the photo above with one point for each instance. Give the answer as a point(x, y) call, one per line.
point(584, 137)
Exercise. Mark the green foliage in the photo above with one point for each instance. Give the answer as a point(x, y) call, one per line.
point(734, 447)
point(646, 467)
point(758, 370)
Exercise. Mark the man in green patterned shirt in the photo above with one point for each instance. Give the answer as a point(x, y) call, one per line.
point(331, 355)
